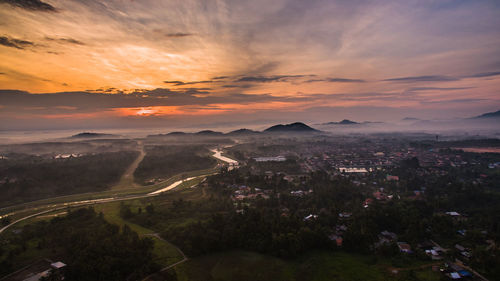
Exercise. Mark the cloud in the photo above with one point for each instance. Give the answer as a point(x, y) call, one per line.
point(110, 98)
point(484, 74)
point(244, 86)
point(264, 79)
point(178, 35)
point(15, 43)
point(65, 40)
point(416, 89)
point(336, 80)
point(181, 83)
point(31, 5)
point(220, 77)
point(344, 80)
point(425, 78)
point(471, 100)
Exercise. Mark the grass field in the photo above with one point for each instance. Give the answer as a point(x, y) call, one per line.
point(165, 253)
point(315, 266)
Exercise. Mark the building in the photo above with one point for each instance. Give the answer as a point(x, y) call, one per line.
point(270, 159)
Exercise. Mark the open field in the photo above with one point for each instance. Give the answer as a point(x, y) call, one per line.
point(315, 266)
point(165, 253)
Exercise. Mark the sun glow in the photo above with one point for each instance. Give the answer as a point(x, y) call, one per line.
point(145, 111)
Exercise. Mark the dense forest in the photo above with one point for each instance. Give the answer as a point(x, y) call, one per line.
point(278, 225)
point(27, 177)
point(168, 160)
point(92, 248)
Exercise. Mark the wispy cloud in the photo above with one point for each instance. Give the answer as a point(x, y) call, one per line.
point(15, 43)
point(263, 79)
point(337, 80)
point(181, 83)
point(416, 89)
point(178, 35)
point(65, 40)
point(32, 5)
point(425, 78)
point(483, 74)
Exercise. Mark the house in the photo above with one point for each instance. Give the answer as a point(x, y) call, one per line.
point(434, 254)
point(466, 254)
point(465, 273)
point(404, 247)
point(337, 238)
point(385, 238)
point(57, 265)
point(353, 170)
point(459, 247)
point(367, 202)
point(345, 215)
point(389, 235)
point(270, 159)
point(33, 273)
point(392, 178)
point(378, 195)
point(311, 216)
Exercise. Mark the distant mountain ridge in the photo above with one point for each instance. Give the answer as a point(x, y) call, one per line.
point(91, 135)
point(343, 122)
point(410, 119)
point(242, 131)
point(209, 133)
point(297, 127)
point(293, 127)
point(495, 114)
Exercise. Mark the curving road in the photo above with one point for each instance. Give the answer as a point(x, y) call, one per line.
point(60, 206)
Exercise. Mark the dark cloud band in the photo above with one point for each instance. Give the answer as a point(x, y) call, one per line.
point(31, 5)
point(15, 43)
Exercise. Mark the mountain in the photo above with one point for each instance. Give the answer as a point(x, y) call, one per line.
point(296, 127)
point(86, 135)
point(343, 122)
point(410, 119)
point(209, 133)
point(242, 132)
point(176, 134)
point(495, 114)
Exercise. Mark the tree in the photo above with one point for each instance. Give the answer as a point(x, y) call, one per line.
point(150, 209)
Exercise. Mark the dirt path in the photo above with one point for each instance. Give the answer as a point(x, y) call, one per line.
point(127, 179)
point(184, 257)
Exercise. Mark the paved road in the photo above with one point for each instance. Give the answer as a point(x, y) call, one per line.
point(61, 206)
point(218, 155)
point(175, 184)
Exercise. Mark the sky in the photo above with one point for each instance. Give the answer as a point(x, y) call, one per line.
point(150, 63)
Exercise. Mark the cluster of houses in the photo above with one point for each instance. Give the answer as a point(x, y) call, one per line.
point(300, 193)
point(340, 229)
point(43, 269)
point(64, 156)
point(243, 192)
point(270, 159)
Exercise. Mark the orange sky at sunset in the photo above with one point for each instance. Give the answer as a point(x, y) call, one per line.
point(85, 60)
